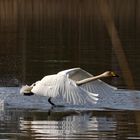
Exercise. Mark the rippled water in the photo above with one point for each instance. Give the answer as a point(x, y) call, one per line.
point(58, 124)
point(25, 117)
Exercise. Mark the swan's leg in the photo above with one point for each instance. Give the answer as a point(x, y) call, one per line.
point(49, 100)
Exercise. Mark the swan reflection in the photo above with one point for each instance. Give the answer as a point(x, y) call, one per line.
point(67, 125)
point(37, 124)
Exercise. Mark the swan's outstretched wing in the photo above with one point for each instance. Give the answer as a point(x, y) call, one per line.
point(99, 87)
point(61, 86)
point(74, 94)
point(96, 86)
point(76, 74)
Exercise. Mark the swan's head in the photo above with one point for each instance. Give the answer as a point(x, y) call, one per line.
point(110, 74)
point(26, 90)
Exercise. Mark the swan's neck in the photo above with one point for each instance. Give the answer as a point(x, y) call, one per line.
point(90, 79)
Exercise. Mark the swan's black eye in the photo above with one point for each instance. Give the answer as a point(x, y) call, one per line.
point(34, 84)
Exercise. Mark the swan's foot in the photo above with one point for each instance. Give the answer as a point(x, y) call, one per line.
point(54, 105)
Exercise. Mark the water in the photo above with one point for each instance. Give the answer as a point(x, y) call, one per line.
point(25, 117)
point(56, 124)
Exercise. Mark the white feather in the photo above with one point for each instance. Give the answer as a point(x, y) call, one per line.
point(96, 86)
point(63, 85)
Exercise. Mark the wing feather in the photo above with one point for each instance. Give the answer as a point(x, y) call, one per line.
point(97, 86)
point(75, 94)
point(76, 74)
point(61, 86)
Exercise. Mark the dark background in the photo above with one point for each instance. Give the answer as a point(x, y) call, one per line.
point(41, 37)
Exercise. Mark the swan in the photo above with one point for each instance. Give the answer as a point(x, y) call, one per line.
point(74, 85)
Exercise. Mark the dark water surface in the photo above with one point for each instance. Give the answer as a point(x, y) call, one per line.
point(59, 124)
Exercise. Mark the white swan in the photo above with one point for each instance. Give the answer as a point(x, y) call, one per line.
point(75, 86)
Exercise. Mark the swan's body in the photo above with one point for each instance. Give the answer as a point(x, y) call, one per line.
point(75, 86)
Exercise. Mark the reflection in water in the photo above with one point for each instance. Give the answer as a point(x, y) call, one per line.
point(66, 126)
point(29, 124)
